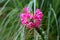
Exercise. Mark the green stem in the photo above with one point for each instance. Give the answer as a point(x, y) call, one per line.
point(42, 33)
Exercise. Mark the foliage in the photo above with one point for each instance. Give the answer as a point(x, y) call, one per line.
point(12, 29)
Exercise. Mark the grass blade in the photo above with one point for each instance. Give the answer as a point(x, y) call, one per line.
point(56, 22)
point(4, 7)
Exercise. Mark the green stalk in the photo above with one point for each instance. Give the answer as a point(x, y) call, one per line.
point(41, 32)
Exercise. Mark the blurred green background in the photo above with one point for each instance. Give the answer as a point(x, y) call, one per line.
point(12, 29)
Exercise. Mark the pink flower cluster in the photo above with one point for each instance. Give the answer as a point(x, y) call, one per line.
point(30, 20)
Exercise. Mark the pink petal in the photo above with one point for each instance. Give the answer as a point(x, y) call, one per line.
point(37, 24)
point(25, 22)
point(25, 9)
point(30, 25)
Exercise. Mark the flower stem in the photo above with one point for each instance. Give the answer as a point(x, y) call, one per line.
point(42, 33)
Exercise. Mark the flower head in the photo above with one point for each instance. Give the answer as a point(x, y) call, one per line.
point(29, 20)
